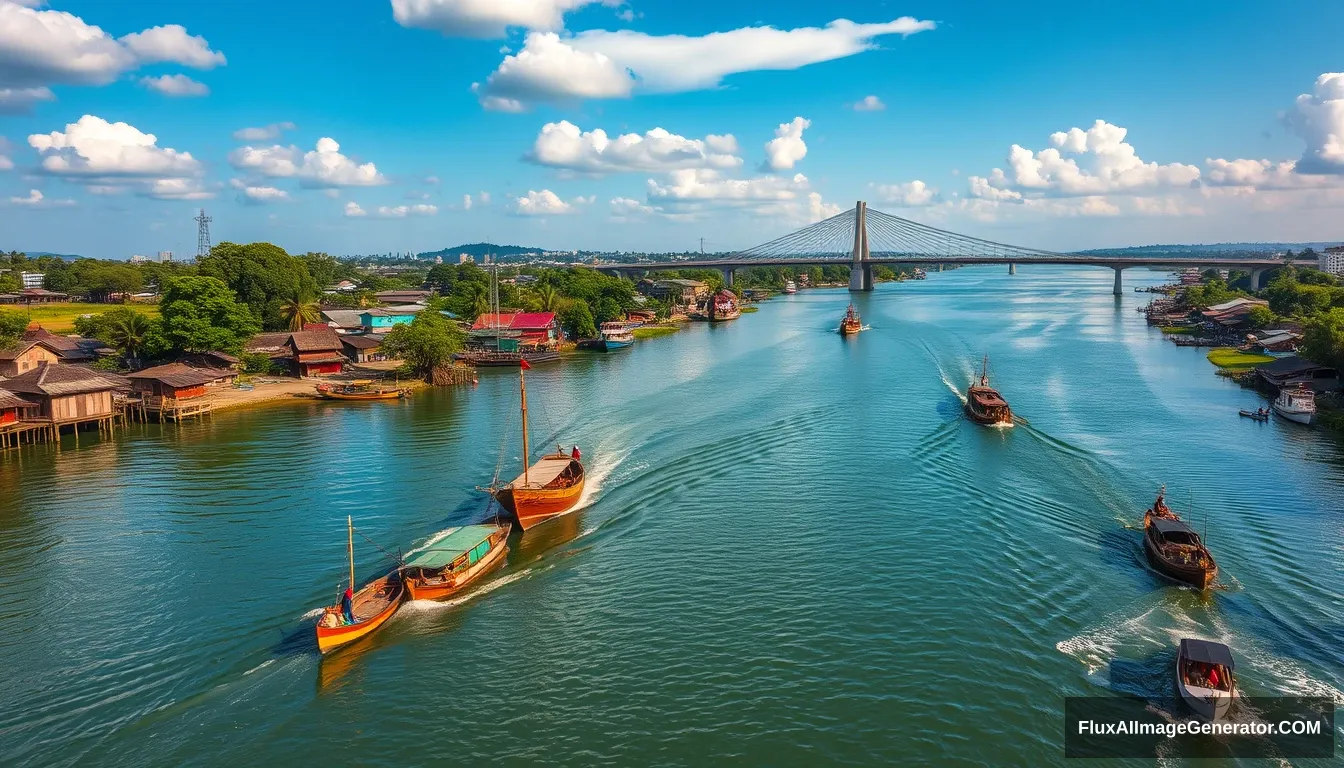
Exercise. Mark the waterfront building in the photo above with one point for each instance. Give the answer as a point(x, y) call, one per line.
point(12, 408)
point(1291, 371)
point(386, 318)
point(317, 350)
point(38, 346)
point(176, 381)
point(1332, 260)
point(515, 331)
point(364, 347)
point(679, 291)
point(67, 394)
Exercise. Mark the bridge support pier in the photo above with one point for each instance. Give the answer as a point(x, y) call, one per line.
point(860, 270)
point(1012, 268)
point(1119, 287)
point(1256, 274)
point(940, 267)
point(728, 277)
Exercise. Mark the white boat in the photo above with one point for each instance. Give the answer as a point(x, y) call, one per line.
point(1204, 678)
point(617, 335)
point(790, 286)
point(1296, 404)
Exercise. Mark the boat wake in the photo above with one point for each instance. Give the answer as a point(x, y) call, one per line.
point(596, 477)
point(313, 614)
point(434, 606)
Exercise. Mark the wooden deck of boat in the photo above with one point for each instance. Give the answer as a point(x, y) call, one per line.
point(539, 475)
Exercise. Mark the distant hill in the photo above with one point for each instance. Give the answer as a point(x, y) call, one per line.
point(479, 250)
point(1232, 250)
point(40, 254)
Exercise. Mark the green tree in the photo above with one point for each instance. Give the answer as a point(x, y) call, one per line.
point(201, 314)
point(1259, 317)
point(1323, 338)
point(577, 321)
point(12, 326)
point(426, 342)
point(262, 276)
point(548, 299)
point(10, 282)
point(299, 311)
point(130, 332)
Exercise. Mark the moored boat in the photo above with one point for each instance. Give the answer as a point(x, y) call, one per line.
point(1296, 404)
point(984, 405)
point(1205, 679)
point(1176, 551)
point(546, 489)
point(851, 324)
point(790, 287)
point(362, 389)
point(720, 307)
point(616, 335)
point(1257, 415)
point(359, 614)
point(453, 562)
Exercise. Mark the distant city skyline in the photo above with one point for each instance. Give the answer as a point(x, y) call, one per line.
point(602, 125)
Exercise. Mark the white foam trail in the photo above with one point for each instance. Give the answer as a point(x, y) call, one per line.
point(260, 666)
point(313, 614)
point(951, 387)
point(431, 606)
point(595, 478)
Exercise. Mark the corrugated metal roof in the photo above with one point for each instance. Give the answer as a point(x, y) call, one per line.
point(362, 342)
point(179, 375)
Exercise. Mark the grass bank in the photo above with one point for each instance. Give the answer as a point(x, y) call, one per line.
point(747, 310)
point(1233, 359)
point(60, 318)
point(654, 331)
point(1186, 330)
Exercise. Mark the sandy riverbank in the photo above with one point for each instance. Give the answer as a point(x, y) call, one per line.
point(267, 390)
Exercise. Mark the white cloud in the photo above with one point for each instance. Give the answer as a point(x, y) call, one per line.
point(402, 211)
point(484, 197)
point(563, 145)
point(35, 199)
point(96, 148)
point(1259, 175)
point(818, 210)
point(788, 147)
point(911, 194)
point(625, 208)
point(543, 203)
point(265, 133)
point(5, 163)
point(323, 167)
point(177, 189)
point(255, 195)
point(20, 100)
point(175, 85)
point(486, 19)
point(869, 104)
point(1109, 166)
point(45, 47)
point(466, 202)
point(352, 209)
point(1318, 118)
point(599, 64)
point(548, 69)
point(700, 185)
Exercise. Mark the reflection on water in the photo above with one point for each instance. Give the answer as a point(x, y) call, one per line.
point(790, 542)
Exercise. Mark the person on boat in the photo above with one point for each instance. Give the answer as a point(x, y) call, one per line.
point(1160, 506)
point(1213, 677)
point(574, 454)
point(348, 606)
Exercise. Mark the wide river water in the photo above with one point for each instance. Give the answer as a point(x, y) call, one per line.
point(793, 549)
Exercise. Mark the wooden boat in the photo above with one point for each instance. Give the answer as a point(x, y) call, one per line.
point(851, 324)
point(372, 606)
point(616, 335)
point(362, 389)
point(493, 359)
point(1176, 551)
point(1205, 679)
point(984, 405)
point(546, 489)
point(1260, 415)
point(719, 308)
point(1296, 404)
point(454, 561)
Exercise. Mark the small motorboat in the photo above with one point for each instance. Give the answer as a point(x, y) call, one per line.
point(616, 335)
point(851, 324)
point(455, 561)
point(985, 405)
point(1204, 678)
point(1296, 404)
point(1257, 415)
point(371, 606)
point(1176, 551)
point(360, 389)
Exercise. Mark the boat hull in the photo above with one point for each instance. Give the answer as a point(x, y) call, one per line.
point(331, 638)
point(990, 419)
point(417, 589)
point(608, 345)
point(1195, 576)
point(533, 506)
point(397, 395)
point(1209, 704)
point(1298, 417)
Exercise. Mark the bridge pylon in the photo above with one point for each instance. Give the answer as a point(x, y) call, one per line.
point(861, 268)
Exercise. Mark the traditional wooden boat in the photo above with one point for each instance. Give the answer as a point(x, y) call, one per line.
point(984, 405)
point(454, 561)
point(1204, 678)
point(1260, 415)
point(1296, 404)
point(1176, 551)
point(370, 607)
point(851, 324)
point(616, 335)
point(546, 489)
point(362, 389)
point(719, 308)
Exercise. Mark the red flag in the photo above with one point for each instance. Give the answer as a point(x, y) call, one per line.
point(575, 455)
point(523, 364)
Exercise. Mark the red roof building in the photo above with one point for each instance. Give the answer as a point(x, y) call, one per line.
point(317, 350)
point(531, 329)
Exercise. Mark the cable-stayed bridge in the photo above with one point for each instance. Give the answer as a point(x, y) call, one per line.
point(863, 238)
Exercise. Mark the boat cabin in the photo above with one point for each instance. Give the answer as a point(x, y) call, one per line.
point(1178, 540)
point(452, 556)
point(557, 471)
point(1206, 664)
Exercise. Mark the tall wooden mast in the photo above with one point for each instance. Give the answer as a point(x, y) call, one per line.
point(350, 547)
point(522, 385)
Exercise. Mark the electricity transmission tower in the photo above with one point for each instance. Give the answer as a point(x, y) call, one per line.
point(202, 235)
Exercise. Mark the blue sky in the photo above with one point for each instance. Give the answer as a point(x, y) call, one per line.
point(372, 120)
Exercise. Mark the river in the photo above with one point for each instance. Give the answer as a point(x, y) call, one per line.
point(793, 548)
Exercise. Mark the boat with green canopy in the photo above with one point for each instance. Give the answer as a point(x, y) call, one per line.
point(452, 562)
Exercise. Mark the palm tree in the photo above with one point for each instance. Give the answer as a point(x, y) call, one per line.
point(299, 311)
point(127, 333)
point(480, 299)
point(548, 299)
